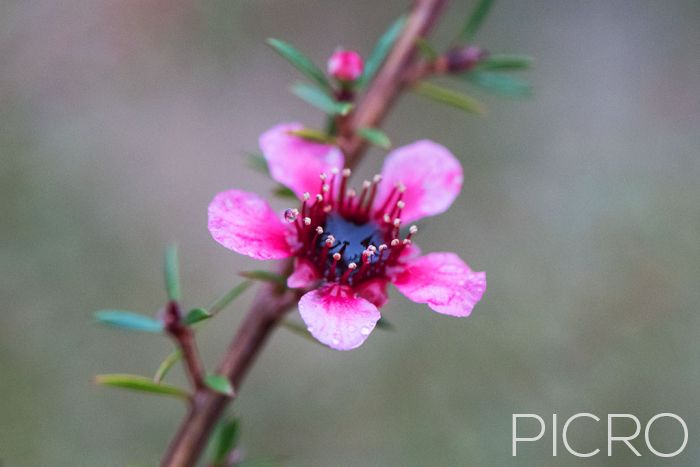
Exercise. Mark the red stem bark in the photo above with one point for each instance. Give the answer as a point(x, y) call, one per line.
point(270, 304)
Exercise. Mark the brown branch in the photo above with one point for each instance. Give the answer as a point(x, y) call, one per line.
point(183, 336)
point(389, 81)
point(270, 304)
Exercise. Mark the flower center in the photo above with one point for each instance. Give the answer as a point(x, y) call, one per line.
point(346, 236)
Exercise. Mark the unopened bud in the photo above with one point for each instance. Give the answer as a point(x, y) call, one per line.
point(345, 65)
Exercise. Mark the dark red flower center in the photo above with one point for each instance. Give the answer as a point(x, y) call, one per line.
point(346, 236)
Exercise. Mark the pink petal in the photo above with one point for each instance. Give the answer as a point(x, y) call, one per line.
point(295, 162)
point(444, 282)
point(304, 276)
point(337, 318)
point(245, 223)
point(431, 174)
point(374, 291)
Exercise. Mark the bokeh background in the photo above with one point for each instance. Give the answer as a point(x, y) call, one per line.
point(119, 120)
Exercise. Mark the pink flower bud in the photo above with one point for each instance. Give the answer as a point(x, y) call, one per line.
point(345, 65)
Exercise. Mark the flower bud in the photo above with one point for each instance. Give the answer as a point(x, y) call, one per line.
point(464, 59)
point(345, 65)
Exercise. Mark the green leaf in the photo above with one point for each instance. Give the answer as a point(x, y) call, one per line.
point(427, 49)
point(225, 439)
point(230, 296)
point(196, 315)
point(385, 325)
point(219, 384)
point(497, 83)
point(172, 273)
point(283, 192)
point(449, 97)
point(300, 61)
point(320, 99)
point(317, 136)
point(375, 136)
point(380, 51)
point(257, 161)
point(129, 320)
point(299, 330)
point(166, 365)
point(477, 17)
point(506, 62)
point(140, 383)
point(265, 276)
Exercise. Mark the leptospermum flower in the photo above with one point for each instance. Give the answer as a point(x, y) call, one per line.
point(347, 246)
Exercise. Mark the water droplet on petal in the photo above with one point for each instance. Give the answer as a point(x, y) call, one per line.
point(310, 329)
point(290, 215)
point(336, 341)
point(364, 330)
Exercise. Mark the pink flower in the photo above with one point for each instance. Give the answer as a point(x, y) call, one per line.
point(345, 65)
point(349, 245)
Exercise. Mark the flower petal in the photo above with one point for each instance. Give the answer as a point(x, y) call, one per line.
point(374, 291)
point(431, 174)
point(296, 162)
point(245, 223)
point(305, 274)
point(444, 282)
point(337, 318)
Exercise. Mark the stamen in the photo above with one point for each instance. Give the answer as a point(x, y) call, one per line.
point(319, 231)
point(372, 194)
point(323, 181)
point(343, 184)
point(348, 271)
point(363, 195)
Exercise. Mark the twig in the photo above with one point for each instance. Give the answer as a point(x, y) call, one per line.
point(184, 338)
point(270, 304)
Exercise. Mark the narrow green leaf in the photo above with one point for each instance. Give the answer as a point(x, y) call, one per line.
point(166, 365)
point(375, 136)
point(129, 320)
point(380, 51)
point(257, 161)
point(219, 384)
point(385, 325)
point(225, 439)
point(317, 136)
point(171, 269)
point(427, 49)
point(140, 383)
point(265, 276)
point(477, 17)
point(299, 330)
point(196, 315)
point(283, 192)
point(230, 296)
point(449, 97)
point(498, 83)
point(506, 62)
point(319, 99)
point(300, 61)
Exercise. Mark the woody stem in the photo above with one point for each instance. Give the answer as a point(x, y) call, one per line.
point(270, 303)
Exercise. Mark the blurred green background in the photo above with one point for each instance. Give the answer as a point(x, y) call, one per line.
point(119, 121)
